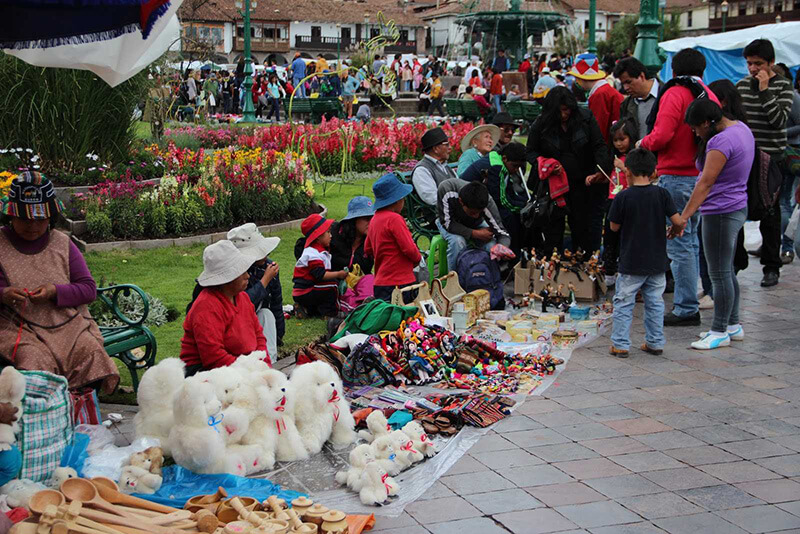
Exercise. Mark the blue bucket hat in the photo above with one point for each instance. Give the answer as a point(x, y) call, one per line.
point(388, 190)
point(359, 206)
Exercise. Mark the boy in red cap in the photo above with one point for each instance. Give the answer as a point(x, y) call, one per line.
point(315, 289)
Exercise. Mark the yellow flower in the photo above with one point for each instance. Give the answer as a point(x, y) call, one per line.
point(5, 182)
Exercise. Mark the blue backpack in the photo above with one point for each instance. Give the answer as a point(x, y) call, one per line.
point(477, 270)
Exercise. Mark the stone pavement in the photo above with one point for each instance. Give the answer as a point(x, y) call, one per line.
point(686, 442)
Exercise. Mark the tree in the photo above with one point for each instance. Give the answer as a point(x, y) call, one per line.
point(567, 43)
point(623, 34)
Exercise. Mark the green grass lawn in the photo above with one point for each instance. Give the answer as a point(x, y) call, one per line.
point(169, 273)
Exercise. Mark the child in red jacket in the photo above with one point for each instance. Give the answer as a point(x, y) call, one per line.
point(389, 240)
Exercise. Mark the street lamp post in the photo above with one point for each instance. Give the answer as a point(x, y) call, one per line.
point(433, 36)
point(647, 40)
point(366, 27)
point(724, 7)
point(592, 48)
point(338, 46)
point(248, 110)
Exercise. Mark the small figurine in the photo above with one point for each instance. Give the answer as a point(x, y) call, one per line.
point(544, 296)
point(571, 298)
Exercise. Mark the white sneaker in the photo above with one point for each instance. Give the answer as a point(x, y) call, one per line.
point(712, 341)
point(706, 303)
point(736, 333)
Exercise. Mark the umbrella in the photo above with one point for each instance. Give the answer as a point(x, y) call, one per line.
point(211, 66)
point(114, 53)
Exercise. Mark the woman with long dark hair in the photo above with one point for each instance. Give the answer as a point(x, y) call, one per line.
point(347, 248)
point(570, 135)
point(726, 155)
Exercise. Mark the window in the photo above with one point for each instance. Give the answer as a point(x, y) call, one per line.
point(536, 37)
point(759, 7)
point(190, 32)
point(404, 35)
point(586, 25)
point(742, 9)
point(689, 19)
point(778, 6)
point(316, 31)
point(374, 32)
point(599, 25)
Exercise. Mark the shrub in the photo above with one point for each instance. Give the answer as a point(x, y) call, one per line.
point(98, 224)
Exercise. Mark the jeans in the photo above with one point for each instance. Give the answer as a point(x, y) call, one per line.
point(301, 89)
point(652, 287)
point(786, 203)
point(684, 252)
point(705, 280)
point(719, 237)
point(496, 100)
point(10, 464)
point(275, 108)
point(456, 243)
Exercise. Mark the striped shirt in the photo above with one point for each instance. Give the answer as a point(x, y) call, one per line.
point(767, 111)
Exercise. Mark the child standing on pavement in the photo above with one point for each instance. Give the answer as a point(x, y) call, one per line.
point(389, 240)
point(638, 213)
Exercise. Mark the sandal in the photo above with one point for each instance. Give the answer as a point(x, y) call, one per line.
point(428, 424)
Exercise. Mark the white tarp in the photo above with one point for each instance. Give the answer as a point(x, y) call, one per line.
point(114, 60)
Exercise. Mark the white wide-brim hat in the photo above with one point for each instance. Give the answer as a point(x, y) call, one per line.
point(466, 142)
point(251, 243)
point(222, 263)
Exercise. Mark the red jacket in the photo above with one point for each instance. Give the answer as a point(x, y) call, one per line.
point(216, 331)
point(671, 139)
point(525, 66)
point(389, 241)
point(483, 105)
point(552, 171)
point(496, 88)
point(604, 103)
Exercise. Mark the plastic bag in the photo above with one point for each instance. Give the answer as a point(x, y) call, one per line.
point(108, 462)
point(100, 437)
point(75, 455)
point(791, 228)
point(752, 235)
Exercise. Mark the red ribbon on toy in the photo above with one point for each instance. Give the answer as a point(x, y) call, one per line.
point(21, 324)
point(387, 486)
point(335, 398)
point(280, 422)
point(281, 407)
point(423, 438)
point(409, 446)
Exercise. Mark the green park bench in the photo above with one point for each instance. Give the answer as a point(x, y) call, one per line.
point(300, 106)
point(121, 341)
point(529, 111)
point(332, 107)
point(453, 107)
point(514, 109)
point(470, 110)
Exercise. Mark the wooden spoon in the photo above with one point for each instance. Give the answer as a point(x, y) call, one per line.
point(111, 493)
point(42, 499)
point(80, 489)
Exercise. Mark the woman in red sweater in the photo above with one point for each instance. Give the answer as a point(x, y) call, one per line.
point(221, 324)
point(389, 240)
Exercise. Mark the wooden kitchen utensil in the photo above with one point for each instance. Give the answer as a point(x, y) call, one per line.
point(109, 491)
point(80, 489)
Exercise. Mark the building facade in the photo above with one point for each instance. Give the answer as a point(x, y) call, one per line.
point(749, 13)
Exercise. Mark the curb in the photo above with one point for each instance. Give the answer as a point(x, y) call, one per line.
point(145, 244)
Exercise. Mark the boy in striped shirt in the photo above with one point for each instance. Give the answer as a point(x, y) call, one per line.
point(767, 99)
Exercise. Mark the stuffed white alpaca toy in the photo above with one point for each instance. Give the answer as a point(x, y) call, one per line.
point(422, 441)
point(253, 362)
point(360, 456)
point(157, 389)
point(289, 444)
point(196, 440)
point(321, 411)
point(226, 382)
point(377, 426)
point(12, 390)
point(386, 455)
point(376, 485)
point(236, 418)
point(406, 453)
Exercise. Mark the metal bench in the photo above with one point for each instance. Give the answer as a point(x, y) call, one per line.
point(332, 107)
point(454, 107)
point(120, 341)
point(300, 106)
point(470, 110)
point(529, 111)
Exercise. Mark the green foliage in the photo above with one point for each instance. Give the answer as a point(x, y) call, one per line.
point(99, 224)
point(566, 43)
point(64, 114)
point(132, 306)
point(623, 34)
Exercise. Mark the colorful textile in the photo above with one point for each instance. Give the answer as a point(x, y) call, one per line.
point(552, 171)
point(32, 196)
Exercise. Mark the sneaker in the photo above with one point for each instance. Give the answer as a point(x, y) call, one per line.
point(787, 257)
point(611, 280)
point(736, 334)
point(706, 303)
point(712, 341)
point(770, 279)
point(619, 353)
point(676, 320)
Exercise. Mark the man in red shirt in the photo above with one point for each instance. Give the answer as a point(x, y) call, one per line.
point(604, 100)
point(496, 88)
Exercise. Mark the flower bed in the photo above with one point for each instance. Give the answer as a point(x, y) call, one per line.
point(200, 192)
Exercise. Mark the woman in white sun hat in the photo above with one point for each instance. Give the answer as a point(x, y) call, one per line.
point(221, 323)
point(476, 144)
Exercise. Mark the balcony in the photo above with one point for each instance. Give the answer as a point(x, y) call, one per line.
point(264, 45)
point(312, 42)
point(748, 21)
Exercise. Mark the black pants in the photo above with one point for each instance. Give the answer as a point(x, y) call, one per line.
point(324, 302)
point(436, 105)
point(385, 293)
point(519, 234)
point(610, 245)
point(771, 241)
point(275, 107)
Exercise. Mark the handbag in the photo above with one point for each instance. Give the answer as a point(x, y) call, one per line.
point(366, 366)
point(793, 160)
point(85, 407)
point(46, 424)
point(538, 211)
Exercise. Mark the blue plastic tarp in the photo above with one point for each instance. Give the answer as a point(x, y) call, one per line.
point(180, 485)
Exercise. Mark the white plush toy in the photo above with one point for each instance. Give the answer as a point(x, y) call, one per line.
point(196, 440)
point(348, 344)
point(377, 426)
point(406, 453)
point(321, 412)
point(360, 456)
point(59, 475)
point(422, 441)
point(19, 492)
point(155, 397)
point(134, 479)
point(253, 362)
point(386, 455)
point(225, 380)
point(376, 485)
point(289, 444)
point(12, 390)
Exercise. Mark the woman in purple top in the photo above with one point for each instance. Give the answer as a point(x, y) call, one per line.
point(46, 286)
point(725, 156)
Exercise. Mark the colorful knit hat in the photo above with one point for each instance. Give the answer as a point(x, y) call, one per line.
point(587, 68)
point(32, 196)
